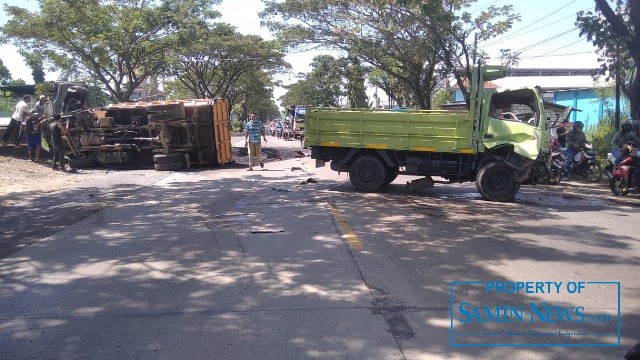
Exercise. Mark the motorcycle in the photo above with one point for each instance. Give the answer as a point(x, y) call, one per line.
point(620, 177)
point(585, 164)
point(272, 130)
point(279, 131)
point(288, 133)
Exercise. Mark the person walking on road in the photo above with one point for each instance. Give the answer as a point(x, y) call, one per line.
point(17, 119)
point(253, 131)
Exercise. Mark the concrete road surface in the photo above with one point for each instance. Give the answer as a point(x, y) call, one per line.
point(231, 264)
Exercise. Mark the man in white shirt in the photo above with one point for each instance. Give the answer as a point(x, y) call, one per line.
point(17, 119)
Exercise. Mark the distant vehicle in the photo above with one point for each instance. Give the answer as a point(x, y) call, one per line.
point(296, 114)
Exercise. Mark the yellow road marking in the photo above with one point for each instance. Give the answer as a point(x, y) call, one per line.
point(349, 235)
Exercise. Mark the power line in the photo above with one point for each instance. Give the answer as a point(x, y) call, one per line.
point(485, 7)
point(546, 40)
point(513, 35)
point(536, 21)
point(556, 55)
point(554, 50)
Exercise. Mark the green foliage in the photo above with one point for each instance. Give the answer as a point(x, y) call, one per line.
point(600, 137)
point(6, 106)
point(407, 40)
point(44, 88)
point(356, 90)
point(440, 98)
point(5, 74)
point(218, 61)
point(18, 82)
point(321, 87)
point(120, 43)
point(614, 33)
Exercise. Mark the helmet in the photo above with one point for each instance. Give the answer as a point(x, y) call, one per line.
point(626, 126)
point(578, 125)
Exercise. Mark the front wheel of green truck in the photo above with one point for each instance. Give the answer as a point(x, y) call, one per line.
point(368, 173)
point(496, 182)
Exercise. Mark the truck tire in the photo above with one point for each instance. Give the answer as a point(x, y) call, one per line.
point(495, 182)
point(368, 173)
point(172, 166)
point(83, 163)
point(168, 158)
point(392, 174)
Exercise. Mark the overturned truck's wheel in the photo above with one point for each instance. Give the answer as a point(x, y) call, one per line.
point(83, 163)
point(495, 182)
point(172, 166)
point(368, 173)
point(168, 158)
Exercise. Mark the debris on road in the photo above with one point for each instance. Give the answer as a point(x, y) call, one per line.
point(265, 230)
point(281, 189)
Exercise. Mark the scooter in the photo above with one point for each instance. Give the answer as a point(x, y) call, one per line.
point(620, 176)
point(288, 133)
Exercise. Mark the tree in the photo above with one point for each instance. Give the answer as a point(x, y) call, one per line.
point(387, 37)
point(440, 98)
point(217, 58)
point(616, 33)
point(121, 43)
point(356, 90)
point(410, 40)
point(5, 74)
point(321, 87)
point(35, 62)
point(452, 28)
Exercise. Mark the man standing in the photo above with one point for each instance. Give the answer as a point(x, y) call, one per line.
point(38, 110)
point(254, 129)
point(17, 119)
point(57, 146)
point(576, 140)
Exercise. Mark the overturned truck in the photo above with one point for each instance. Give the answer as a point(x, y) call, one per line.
point(171, 135)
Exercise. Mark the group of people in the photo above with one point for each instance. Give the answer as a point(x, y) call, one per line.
point(34, 121)
point(281, 129)
point(623, 143)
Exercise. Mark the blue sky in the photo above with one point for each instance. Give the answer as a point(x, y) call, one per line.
point(541, 20)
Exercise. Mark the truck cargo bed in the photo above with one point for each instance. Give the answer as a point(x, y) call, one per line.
point(420, 130)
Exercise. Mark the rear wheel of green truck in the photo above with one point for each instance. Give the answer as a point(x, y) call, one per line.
point(495, 182)
point(368, 173)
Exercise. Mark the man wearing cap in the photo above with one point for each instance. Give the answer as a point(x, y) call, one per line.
point(17, 119)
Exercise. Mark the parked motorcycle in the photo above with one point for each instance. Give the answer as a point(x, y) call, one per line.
point(620, 177)
point(586, 165)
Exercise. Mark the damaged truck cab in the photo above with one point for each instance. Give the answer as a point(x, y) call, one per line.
point(497, 143)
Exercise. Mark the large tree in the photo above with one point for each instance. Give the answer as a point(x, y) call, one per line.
point(617, 33)
point(410, 40)
point(385, 36)
point(323, 86)
point(216, 59)
point(455, 31)
point(121, 43)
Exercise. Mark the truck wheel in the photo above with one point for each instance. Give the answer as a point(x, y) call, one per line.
point(392, 174)
point(172, 166)
point(495, 182)
point(168, 158)
point(83, 163)
point(368, 173)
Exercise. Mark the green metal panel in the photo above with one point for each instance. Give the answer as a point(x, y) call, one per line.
point(428, 130)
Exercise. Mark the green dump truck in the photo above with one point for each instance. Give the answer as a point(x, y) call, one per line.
point(499, 143)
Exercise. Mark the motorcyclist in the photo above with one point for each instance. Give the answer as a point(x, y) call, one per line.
point(623, 136)
point(576, 140)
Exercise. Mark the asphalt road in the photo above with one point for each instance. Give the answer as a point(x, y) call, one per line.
point(291, 263)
